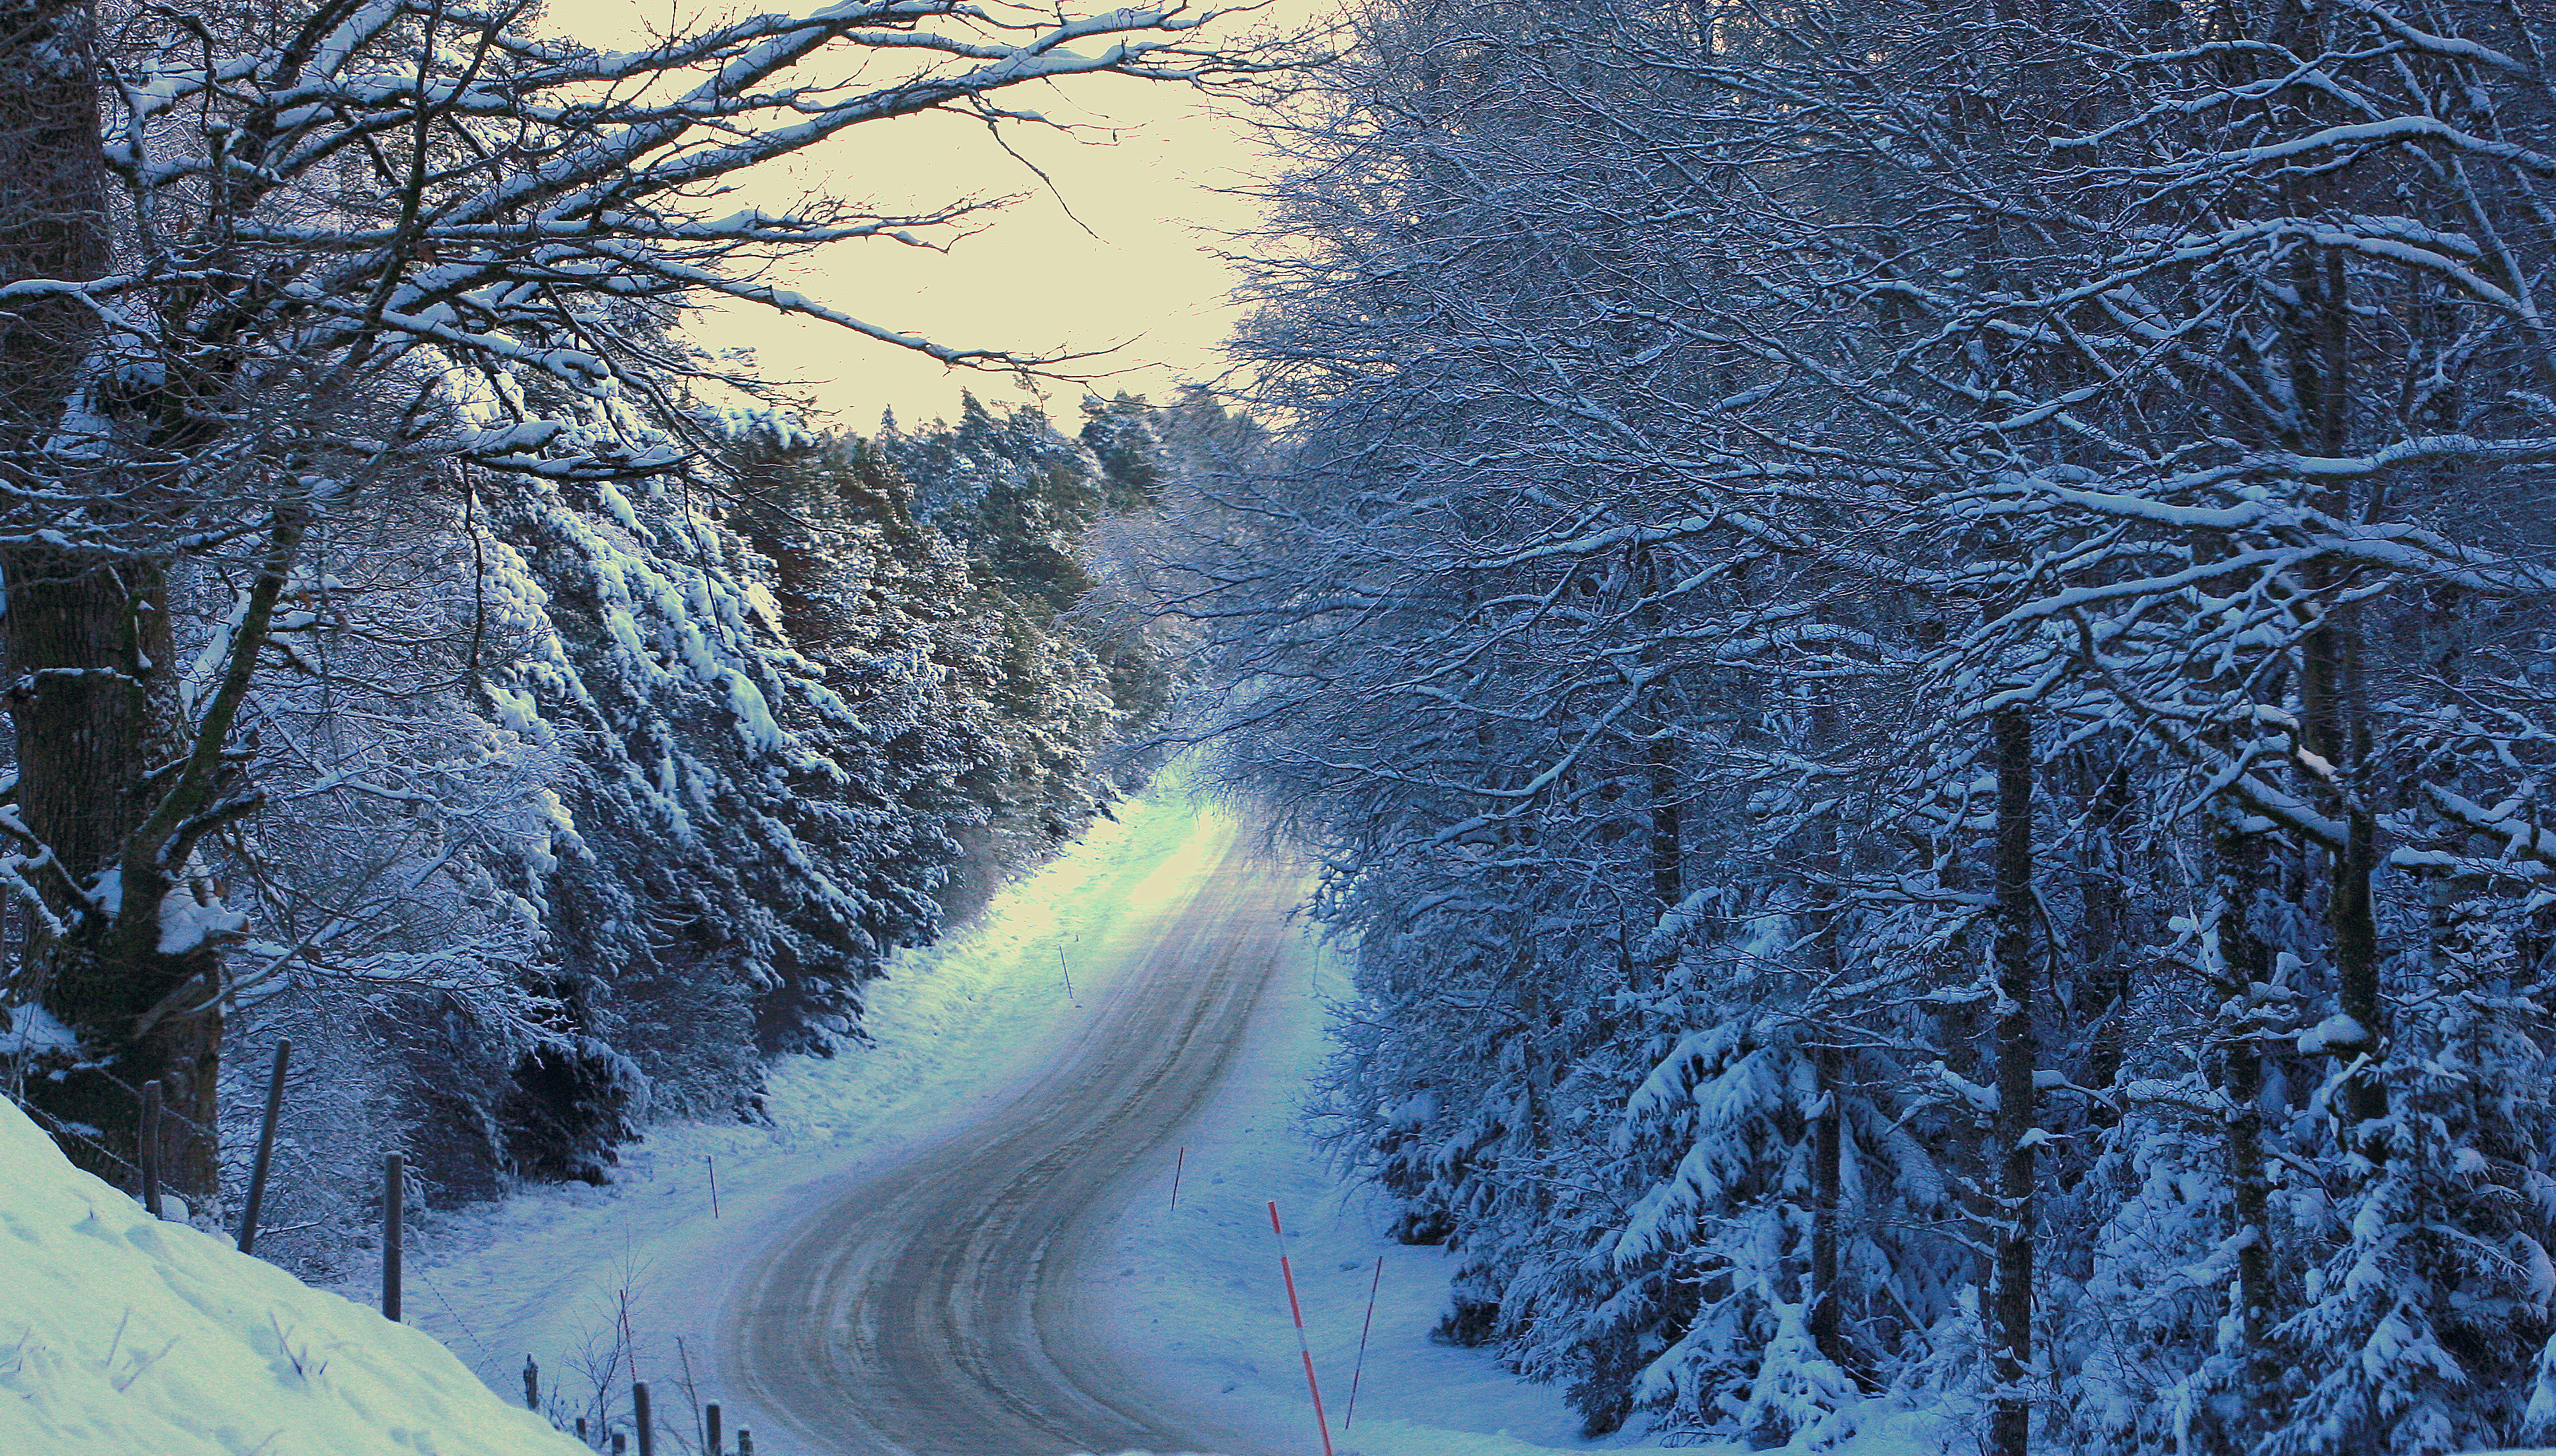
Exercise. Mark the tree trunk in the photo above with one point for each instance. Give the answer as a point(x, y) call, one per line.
point(1667, 844)
point(2018, 1054)
point(2330, 691)
point(2248, 962)
point(1826, 1320)
point(96, 712)
point(52, 209)
point(2107, 936)
point(89, 657)
point(1828, 1165)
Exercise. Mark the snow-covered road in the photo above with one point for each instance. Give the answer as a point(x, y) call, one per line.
point(979, 1206)
point(946, 1303)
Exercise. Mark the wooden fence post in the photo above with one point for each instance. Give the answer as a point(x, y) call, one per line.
point(394, 1200)
point(532, 1385)
point(265, 1148)
point(639, 1419)
point(151, 1147)
point(717, 1446)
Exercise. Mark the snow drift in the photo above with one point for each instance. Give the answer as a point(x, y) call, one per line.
point(120, 1333)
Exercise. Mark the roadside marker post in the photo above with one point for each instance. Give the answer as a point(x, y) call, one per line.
point(1287, 1272)
point(1365, 1330)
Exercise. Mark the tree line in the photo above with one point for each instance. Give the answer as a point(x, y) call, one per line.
point(415, 647)
point(1915, 640)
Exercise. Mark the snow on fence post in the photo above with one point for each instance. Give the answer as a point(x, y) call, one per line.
point(151, 1147)
point(639, 1419)
point(265, 1148)
point(744, 1442)
point(394, 1198)
point(1288, 1272)
point(711, 1440)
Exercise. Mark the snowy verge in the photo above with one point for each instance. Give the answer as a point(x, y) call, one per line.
point(1199, 1300)
point(601, 1285)
point(122, 1334)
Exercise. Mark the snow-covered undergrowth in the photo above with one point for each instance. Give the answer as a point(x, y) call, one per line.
point(122, 1335)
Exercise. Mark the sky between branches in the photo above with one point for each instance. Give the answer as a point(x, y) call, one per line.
point(1139, 171)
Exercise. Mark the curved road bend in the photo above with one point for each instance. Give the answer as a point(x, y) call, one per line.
point(944, 1305)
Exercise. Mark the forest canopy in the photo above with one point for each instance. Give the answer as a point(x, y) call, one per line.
point(1915, 640)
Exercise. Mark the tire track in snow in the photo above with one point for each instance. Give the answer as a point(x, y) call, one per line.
point(944, 1305)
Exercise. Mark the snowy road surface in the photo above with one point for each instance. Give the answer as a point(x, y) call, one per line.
point(1040, 1128)
point(944, 1304)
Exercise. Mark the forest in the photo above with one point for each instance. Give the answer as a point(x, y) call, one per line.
point(1915, 641)
point(1912, 637)
point(420, 650)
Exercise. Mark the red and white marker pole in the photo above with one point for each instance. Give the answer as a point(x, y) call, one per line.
point(1288, 1272)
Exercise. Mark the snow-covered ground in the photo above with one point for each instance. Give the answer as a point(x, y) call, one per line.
point(1199, 1292)
point(591, 1283)
point(121, 1335)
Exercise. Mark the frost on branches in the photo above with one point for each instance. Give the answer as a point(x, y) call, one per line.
point(1916, 640)
point(385, 663)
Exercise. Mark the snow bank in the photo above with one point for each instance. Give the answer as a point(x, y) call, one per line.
point(121, 1334)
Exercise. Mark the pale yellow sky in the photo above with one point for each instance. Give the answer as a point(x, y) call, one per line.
point(1141, 177)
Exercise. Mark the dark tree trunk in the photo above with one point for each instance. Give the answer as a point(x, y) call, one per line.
point(1827, 1321)
point(2019, 1055)
point(1827, 1208)
point(52, 207)
point(1667, 843)
point(2249, 963)
point(112, 790)
point(2330, 688)
point(2108, 943)
point(95, 708)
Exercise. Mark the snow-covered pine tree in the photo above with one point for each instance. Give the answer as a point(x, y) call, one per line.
point(1066, 694)
point(2191, 408)
point(234, 310)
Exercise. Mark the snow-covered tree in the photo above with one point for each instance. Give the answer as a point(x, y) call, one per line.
point(264, 262)
point(2046, 499)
